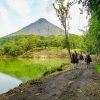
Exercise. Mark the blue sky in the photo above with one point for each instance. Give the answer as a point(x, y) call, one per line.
point(15, 14)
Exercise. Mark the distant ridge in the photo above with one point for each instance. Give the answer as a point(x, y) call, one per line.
point(40, 27)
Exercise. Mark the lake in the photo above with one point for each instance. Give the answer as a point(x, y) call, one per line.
point(7, 82)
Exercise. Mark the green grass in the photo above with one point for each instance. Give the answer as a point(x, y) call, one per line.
point(98, 67)
point(29, 68)
point(78, 50)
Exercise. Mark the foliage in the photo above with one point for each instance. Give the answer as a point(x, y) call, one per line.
point(98, 67)
point(93, 6)
point(19, 45)
point(94, 33)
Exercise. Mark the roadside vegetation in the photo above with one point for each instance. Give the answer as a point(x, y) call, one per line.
point(98, 67)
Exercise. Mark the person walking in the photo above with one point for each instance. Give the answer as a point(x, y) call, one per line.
point(88, 59)
point(81, 58)
point(74, 58)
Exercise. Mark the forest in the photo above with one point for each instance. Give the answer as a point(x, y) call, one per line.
point(17, 45)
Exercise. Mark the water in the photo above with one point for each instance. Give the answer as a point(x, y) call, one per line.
point(7, 82)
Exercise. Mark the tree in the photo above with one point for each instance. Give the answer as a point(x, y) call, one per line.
point(93, 7)
point(95, 34)
point(62, 12)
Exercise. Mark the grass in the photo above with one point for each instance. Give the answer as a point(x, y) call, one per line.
point(26, 69)
point(55, 48)
point(98, 67)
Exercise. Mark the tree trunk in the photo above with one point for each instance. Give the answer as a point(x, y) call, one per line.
point(67, 43)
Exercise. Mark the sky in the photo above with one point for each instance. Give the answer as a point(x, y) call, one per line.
point(16, 14)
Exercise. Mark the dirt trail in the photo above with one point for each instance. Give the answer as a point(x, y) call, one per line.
point(78, 84)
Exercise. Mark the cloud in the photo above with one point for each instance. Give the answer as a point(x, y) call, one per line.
point(4, 19)
point(20, 6)
point(50, 13)
point(4, 3)
point(12, 10)
point(23, 22)
point(49, 5)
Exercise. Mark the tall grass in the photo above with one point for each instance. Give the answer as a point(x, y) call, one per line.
point(29, 68)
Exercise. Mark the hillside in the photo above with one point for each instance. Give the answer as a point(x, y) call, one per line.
point(40, 27)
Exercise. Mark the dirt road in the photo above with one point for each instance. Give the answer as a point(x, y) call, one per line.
point(78, 84)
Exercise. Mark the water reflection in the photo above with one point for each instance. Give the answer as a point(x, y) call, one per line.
point(7, 82)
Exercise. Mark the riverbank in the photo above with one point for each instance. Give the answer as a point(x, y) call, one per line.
point(27, 69)
point(78, 84)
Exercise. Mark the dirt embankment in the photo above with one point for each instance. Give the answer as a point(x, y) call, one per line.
point(41, 53)
point(46, 54)
point(78, 84)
